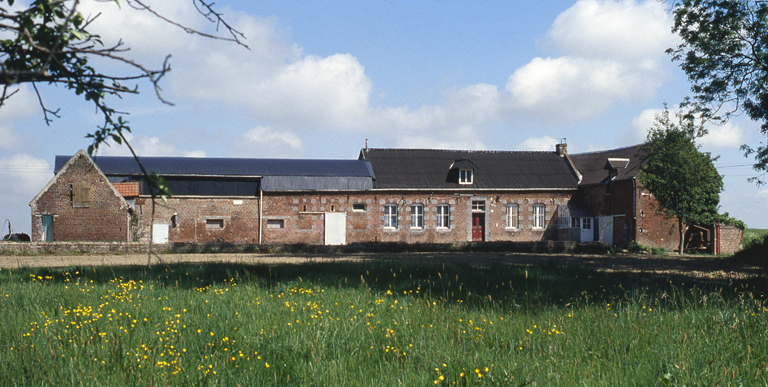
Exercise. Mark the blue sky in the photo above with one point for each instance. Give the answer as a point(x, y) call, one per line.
point(321, 77)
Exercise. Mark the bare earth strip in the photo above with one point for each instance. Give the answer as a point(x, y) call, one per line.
point(691, 266)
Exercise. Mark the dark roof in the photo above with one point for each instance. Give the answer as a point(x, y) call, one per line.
point(592, 165)
point(234, 167)
point(429, 169)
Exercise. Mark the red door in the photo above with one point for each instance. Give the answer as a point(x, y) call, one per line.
point(478, 227)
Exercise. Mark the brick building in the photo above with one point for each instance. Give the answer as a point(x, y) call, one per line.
point(80, 203)
point(386, 195)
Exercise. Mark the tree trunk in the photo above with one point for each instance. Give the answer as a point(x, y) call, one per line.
point(681, 232)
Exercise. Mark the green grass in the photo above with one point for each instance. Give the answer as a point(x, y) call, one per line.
point(378, 324)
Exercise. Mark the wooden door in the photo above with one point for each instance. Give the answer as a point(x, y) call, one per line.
point(478, 227)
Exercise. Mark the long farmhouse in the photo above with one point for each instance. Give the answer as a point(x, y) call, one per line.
point(386, 195)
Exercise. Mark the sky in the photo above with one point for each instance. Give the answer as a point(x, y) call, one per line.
point(321, 77)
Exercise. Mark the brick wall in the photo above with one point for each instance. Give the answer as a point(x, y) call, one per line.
point(654, 227)
point(730, 239)
point(303, 219)
point(105, 218)
point(201, 219)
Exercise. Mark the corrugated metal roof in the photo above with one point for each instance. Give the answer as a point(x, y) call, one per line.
point(429, 168)
point(209, 166)
point(315, 183)
point(592, 165)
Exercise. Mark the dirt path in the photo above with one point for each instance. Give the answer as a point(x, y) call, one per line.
point(693, 266)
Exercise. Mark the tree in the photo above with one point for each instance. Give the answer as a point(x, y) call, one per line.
point(724, 53)
point(49, 43)
point(683, 180)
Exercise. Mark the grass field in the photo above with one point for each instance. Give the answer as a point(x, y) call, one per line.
point(378, 324)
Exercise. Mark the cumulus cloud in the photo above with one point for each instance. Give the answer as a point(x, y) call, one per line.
point(24, 174)
point(545, 143)
point(20, 105)
point(266, 142)
point(728, 135)
point(147, 146)
point(612, 52)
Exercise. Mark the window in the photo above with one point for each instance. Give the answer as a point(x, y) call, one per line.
point(358, 207)
point(390, 216)
point(214, 224)
point(478, 206)
point(417, 216)
point(465, 176)
point(575, 222)
point(80, 195)
point(443, 216)
point(538, 216)
point(512, 219)
point(586, 223)
point(275, 223)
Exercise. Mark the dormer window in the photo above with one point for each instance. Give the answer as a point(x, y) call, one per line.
point(465, 176)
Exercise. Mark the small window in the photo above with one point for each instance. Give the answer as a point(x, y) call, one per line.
point(80, 195)
point(538, 216)
point(575, 222)
point(586, 223)
point(443, 216)
point(390, 216)
point(512, 216)
point(214, 224)
point(417, 216)
point(275, 223)
point(478, 205)
point(465, 176)
point(358, 207)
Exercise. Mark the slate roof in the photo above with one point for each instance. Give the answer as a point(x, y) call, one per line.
point(429, 169)
point(592, 165)
point(227, 167)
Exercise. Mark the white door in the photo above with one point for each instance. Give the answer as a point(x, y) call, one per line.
point(587, 235)
point(605, 230)
point(160, 233)
point(335, 228)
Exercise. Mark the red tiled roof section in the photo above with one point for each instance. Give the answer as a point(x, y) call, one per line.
point(129, 189)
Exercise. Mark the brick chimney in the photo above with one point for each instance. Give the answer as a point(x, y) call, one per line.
point(562, 148)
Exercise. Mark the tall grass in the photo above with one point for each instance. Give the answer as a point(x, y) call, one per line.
point(377, 323)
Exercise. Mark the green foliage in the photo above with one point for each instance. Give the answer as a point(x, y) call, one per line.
point(724, 52)
point(754, 237)
point(683, 180)
point(380, 323)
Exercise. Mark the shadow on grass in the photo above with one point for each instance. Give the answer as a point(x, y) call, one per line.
point(554, 282)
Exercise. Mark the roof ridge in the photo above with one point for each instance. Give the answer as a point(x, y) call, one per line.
point(606, 150)
point(458, 150)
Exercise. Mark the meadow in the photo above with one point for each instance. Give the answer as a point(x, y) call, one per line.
point(384, 323)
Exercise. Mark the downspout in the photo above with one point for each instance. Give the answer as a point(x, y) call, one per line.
point(261, 202)
point(634, 210)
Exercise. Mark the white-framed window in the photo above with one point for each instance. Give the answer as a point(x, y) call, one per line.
point(512, 216)
point(358, 207)
point(586, 223)
point(275, 223)
point(538, 216)
point(390, 216)
point(443, 216)
point(465, 176)
point(575, 222)
point(478, 206)
point(417, 216)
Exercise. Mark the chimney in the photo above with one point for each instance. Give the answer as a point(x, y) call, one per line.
point(366, 145)
point(562, 148)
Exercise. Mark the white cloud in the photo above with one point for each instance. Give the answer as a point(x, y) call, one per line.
point(147, 146)
point(612, 52)
point(21, 105)
point(728, 135)
point(266, 142)
point(23, 174)
point(614, 29)
point(545, 143)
